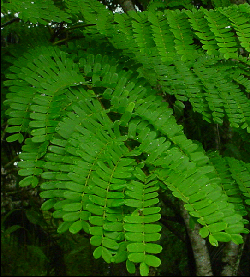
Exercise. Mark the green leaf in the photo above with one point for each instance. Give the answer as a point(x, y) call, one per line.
point(59, 205)
point(134, 236)
point(152, 237)
point(59, 214)
point(96, 240)
point(142, 236)
point(237, 239)
point(151, 218)
point(76, 227)
point(96, 220)
point(95, 209)
point(151, 210)
point(136, 247)
point(221, 236)
point(216, 227)
point(71, 216)
point(133, 203)
point(121, 254)
point(30, 180)
point(72, 207)
point(150, 202)
point(107, 256)
point(232, 219)
point(136, 257)
point(75, 196)
point(135, 228)
point(30, 171)
point(152, 228)
point(14, 137)
point(85, 226)
point(47, 205)
point(130, 266)
point(13, 129)
point(144, 269)
point(115, 202)
point(97, 200)
point(113, 226)
point(98, 252)
point(97, 231)
point(235, 228)
point(152, 260)
point(109, 243)
point(153, 248)
point(134, 219)
point(47, 194)
point(64, 226)
point(204, 232)
point(213, 240)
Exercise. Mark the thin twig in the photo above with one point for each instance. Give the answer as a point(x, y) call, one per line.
point(15, 19)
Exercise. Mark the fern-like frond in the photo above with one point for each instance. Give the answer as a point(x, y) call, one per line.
point(102, 143)
point(225, 39)
point(38, 99)
point(229, 185)
point(241, 173)
point(240, 23)
point(202, 30)
point(35, 11)
point(170, 40)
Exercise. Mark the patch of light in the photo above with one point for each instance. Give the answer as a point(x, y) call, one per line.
point(228, 27)
point(118, 10)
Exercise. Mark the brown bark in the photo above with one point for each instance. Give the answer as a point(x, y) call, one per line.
point(200, 250)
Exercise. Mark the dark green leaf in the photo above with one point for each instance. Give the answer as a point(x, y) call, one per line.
point(106, 254)
point(76, 227)
point(48, 204)
point(95, 209)
point(71, 216)
point(109, 243)
point(64, 226)
point(130, 266)
point(96, 240)
point(96, 220)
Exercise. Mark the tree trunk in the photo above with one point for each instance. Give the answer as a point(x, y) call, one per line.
point(200, 250)
point(231, 258)
point(127, 5)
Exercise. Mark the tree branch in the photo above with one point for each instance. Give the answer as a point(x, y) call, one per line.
point(231, 258)
point(200, 250)
point(15, 19)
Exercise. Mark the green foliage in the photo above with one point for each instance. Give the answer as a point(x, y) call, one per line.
point(101, 141)
point(35, 11)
